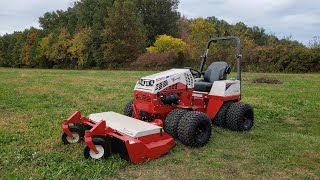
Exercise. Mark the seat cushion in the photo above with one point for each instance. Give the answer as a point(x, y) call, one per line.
point(216, 72)
point(203, 86)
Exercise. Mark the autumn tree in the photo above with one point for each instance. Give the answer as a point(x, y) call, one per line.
point(79, 46)
point(239, 29)
point(109, 33)
point(60, 48)
point(201, 31)
point(124, 35)
point(25, 49)
point(43, 52)
point(165, 43)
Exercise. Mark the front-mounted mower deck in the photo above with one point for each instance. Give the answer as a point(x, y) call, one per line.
point(112, 133)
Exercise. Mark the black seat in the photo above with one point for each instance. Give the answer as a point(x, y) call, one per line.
point(216, 71)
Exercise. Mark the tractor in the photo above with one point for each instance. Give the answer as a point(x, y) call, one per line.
point(178, 104)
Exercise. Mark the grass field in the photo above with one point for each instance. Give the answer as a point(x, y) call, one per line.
point(284, 143)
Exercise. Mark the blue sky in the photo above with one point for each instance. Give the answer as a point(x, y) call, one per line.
point(298, 18)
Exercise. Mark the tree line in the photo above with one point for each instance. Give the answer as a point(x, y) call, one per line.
point(146, 34)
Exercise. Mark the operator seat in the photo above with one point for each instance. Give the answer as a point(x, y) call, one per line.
point(216, 71)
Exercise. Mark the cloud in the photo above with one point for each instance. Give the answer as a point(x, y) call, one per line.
point(17, 15)
point(280, 17)
point(299, 18)
point(302, 19)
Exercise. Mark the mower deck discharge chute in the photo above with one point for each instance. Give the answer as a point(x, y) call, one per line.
point(111, 133)
point(184, 101)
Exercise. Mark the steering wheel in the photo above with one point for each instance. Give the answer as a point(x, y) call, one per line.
point(195, 73)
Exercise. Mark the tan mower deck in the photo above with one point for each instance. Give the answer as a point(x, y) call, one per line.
point(126, 125)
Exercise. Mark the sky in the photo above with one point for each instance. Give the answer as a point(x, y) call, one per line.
point(297, 18)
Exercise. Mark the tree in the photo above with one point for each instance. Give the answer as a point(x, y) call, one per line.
point(91, 13)
point(201, 31)
point(80, 44)
point(222, 27)
point(19, 41)
point(43, 51)
point(258, 35)
point(159, 17)
point(25, 54)
point(60, 49)
point(166, 51)
point(315, 42)
point(239, 29)
point(166, 43)
point(2, 52)
point(124, 35)
point(49, 21)
point(184, 29)
point(109, 33)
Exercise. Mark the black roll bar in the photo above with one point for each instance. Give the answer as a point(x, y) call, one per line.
point(238, 53)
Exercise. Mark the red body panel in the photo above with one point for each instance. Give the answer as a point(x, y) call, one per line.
point(152, 103)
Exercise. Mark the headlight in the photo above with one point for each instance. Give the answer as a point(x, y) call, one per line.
point(144, 82)
point(151, 83)
point(141, 82)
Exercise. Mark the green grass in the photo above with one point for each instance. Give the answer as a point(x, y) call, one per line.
point(284, 143)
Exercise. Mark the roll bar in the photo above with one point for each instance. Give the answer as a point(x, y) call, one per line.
point(238, 53)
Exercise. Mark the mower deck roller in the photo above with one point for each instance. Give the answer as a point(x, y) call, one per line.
point(112, 133)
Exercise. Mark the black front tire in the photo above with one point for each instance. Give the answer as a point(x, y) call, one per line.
point(240, 117)
point(77, 133)
point(194, 129)
point(128, 109)
point(172, 120)
point(220, 118)
point(103, 147)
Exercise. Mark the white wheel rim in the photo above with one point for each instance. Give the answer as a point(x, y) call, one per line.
point(75, 138)
point(100, 154)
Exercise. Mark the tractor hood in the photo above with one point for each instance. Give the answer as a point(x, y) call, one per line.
point(158, 82)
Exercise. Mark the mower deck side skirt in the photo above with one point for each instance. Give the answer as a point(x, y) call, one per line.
point(149, 147)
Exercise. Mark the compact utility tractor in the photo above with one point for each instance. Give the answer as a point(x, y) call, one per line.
point(179, 104)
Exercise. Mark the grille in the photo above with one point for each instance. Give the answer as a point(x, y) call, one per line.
point(142, 97)
point(189, 79)
point(172, 87)
point(162, 85)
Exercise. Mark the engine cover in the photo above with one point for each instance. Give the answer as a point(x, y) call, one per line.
point(182, 78)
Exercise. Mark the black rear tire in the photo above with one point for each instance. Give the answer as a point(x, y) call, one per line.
point(172, 120)
point(220, 118)
point(240, 117)
point(194, 129)
point(103, 146)
point(128, 109)
point(77, 133)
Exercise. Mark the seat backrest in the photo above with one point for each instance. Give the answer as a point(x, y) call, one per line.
point(216, 71)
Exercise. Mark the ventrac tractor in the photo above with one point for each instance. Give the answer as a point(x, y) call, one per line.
point(178, 104)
